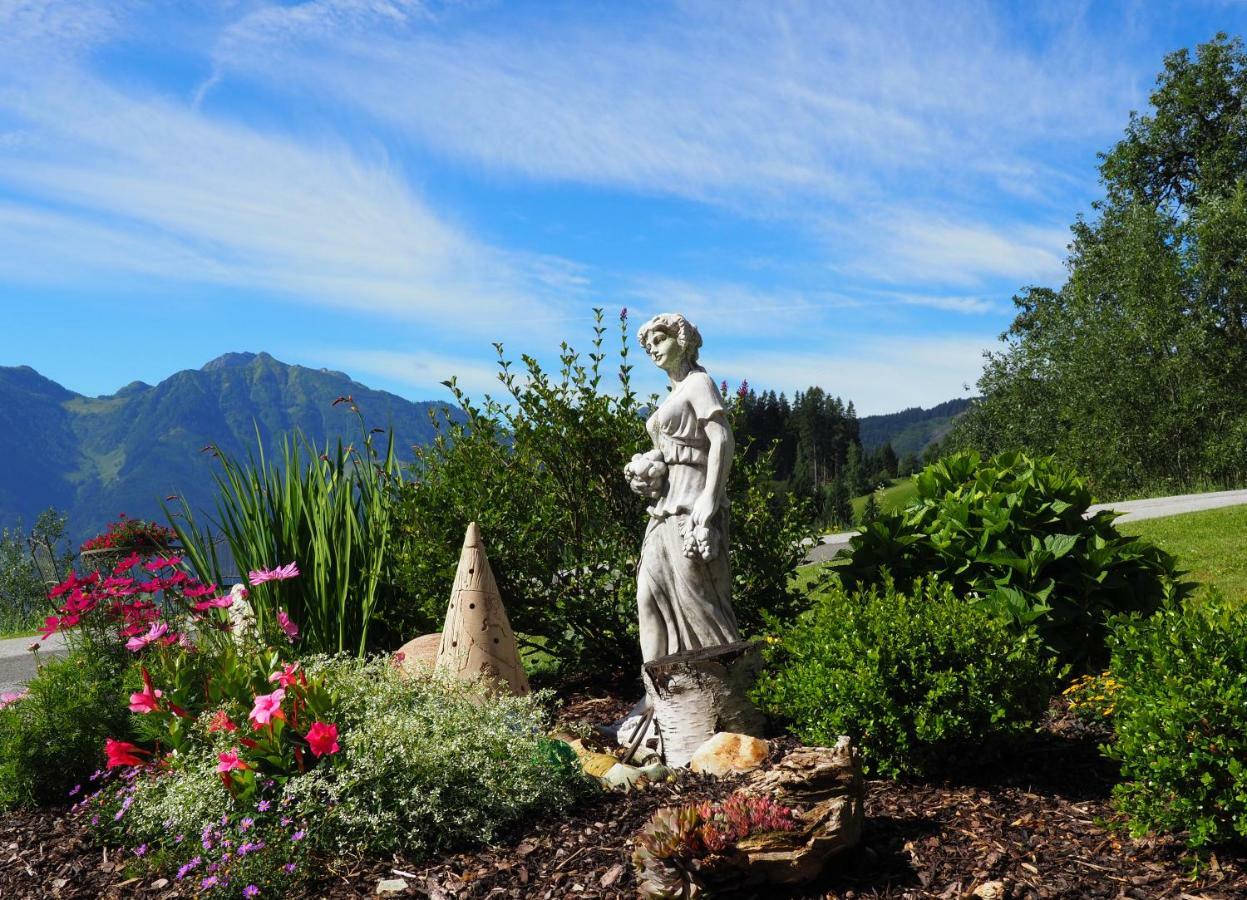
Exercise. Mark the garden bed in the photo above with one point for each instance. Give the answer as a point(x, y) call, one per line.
point(1038, 821)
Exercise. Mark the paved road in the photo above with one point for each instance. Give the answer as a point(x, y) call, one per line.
point(17, 663)
point(1131, 510)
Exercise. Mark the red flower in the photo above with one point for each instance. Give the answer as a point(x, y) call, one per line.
point(122, 753)
point(50, 624)
point(323, 739)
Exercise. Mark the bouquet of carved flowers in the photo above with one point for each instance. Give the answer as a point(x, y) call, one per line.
point(646, 474)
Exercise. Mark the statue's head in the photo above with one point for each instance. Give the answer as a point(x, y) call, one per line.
point(675, 326)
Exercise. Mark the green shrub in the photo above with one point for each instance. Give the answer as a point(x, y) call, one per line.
point(29, 561)
point(425, 764)
point(917, 678)
point(328, 511)
point(53, 738)
point(1180, 722)
point(1011, 530)
point(542, 474)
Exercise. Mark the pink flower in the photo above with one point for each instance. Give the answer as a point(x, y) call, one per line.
point(281, 573)
point(267, 707)
point(155, 633)
point(288, 675)
point(229, 761)
point(10, 697)
point(323, 739)
point(146, 701)
point(225, 601)
point(291, 629)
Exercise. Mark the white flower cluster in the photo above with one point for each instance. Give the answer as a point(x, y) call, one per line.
point(646, 474)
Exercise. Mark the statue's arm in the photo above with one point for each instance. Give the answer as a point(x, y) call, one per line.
point(718, 465)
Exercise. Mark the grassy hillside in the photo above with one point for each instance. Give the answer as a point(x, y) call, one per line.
point(1208, 545)
point(893, 497)
point(910, 430)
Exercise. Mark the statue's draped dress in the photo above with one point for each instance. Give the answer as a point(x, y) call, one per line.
point(692, 596)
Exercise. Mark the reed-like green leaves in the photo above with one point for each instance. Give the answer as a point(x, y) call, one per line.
point(329, 512)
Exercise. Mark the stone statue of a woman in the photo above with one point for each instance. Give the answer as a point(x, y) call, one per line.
point(684, 597)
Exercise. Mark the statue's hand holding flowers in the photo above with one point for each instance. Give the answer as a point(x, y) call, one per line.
point(646, 474)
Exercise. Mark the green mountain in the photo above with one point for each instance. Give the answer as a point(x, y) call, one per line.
point(95, 457)
point(910, 430)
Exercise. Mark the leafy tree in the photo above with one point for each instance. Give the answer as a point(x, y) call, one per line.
point(29, 563)
point(1135, 370)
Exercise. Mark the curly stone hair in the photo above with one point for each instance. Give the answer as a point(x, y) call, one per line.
point(685, 332)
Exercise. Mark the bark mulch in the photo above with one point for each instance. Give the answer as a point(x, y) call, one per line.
point(1037, 822)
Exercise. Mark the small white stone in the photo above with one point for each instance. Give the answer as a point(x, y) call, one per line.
point(391, 886)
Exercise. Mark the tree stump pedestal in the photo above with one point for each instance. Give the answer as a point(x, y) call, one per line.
point(697, 693)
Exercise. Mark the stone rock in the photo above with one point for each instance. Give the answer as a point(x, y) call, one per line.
point(823, 785)
point(656, 772)
point(391, 886)
point(419, 653)
point(477, 641)
point(621, 776)
point(727, 753)
point(991, 890)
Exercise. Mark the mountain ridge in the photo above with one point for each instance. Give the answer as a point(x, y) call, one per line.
point(93, 457)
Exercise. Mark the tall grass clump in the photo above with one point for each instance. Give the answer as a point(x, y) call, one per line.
point(329, 512)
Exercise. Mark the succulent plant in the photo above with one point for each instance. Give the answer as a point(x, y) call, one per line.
point(673, 847)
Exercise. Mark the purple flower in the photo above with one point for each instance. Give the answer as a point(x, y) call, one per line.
point(179, 839)
point(290, 867)
point(297, 836)
point(285, 821)
point(140, 850)
point(209, 883)
point(95, 820)
point(192, 864)
point(247, 823)
point(263, 806)
point(251, 891)
point(75, 790)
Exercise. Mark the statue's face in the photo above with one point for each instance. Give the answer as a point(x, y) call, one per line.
point(664, 349)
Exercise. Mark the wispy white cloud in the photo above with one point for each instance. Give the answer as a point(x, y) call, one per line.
point(767, 97)
point(878, 375)
point(111, 183)
point(423, 370)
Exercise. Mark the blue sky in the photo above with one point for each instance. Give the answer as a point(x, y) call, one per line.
point(842, 194)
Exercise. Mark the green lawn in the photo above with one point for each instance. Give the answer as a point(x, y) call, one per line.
point(893, 497)
point(1209, 545)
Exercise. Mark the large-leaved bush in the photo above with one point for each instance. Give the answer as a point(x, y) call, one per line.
point(919, 678)
point(1181, 719)
point(1014, 532)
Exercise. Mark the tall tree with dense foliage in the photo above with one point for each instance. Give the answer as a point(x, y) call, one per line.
point(1135, 370)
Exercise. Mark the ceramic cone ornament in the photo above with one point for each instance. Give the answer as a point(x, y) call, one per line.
point(477, 639)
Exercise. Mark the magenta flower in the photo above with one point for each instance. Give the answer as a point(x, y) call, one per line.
point(281, 573)
point(155, 633)
point(288, 675)
point(291, 629)
point(323, 739)
point(267, 707)
point(229, 761)
point(146, 701)
point(223, 602)
point(9, 697)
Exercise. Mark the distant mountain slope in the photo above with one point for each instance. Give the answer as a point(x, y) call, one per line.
point(910, 430)
point(94, 457)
